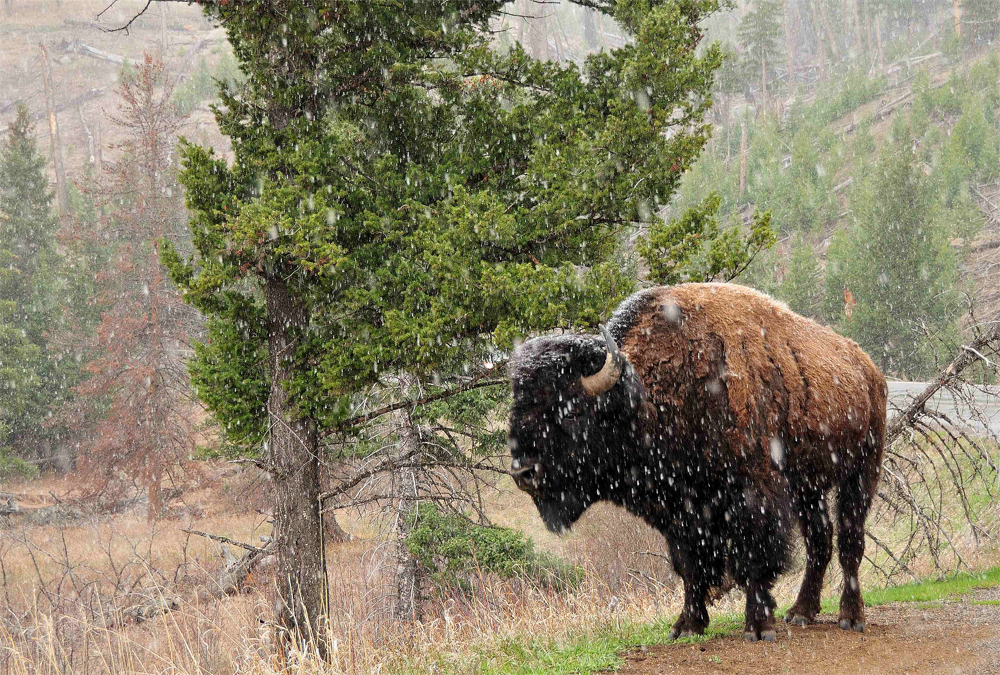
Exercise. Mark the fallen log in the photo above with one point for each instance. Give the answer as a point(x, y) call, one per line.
point(88, 95)
point(106, 56)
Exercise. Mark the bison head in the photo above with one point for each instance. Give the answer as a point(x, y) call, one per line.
point(574, 404)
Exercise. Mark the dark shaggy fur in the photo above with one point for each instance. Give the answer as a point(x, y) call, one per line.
point(733, 416)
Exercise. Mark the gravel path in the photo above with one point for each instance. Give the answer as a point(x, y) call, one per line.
point(947, 637)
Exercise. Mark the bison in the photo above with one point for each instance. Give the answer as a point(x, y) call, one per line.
point(717, 415)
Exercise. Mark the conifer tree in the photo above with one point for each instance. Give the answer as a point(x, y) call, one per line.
point(405, 202)
point(760, 35)
point(897, 265)
point(133, 401)
point(29, 374)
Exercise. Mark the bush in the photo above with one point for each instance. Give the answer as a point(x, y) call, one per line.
point(455, 550)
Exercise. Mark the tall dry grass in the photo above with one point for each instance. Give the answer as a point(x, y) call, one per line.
point(67, 589)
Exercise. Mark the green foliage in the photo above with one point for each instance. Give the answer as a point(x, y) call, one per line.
point(800, 288)
point(202, 84)
point(898, 264)
point(694, 248)
point(760, 35)
point(428, 199)
point(32, 377)
point(453, 550)
point(856, 89)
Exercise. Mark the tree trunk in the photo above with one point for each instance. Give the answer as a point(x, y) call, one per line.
point(743, 157)
point(789, 46)
point(820, 49)
point(62, 194)
point(293, 460)
point(859, 27)
point(957, 8)
point(409, 581)
point(831, 36)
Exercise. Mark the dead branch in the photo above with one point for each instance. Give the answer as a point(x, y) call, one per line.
point(965, 358)
point(227, 540)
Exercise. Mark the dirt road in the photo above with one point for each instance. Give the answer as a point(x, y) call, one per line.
point(955, 636)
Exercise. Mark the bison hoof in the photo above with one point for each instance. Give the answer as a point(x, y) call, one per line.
point(797, 619)
point(678, 633)
point(766, 636)
point(858, 625)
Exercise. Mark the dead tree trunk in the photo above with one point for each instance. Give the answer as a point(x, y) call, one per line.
point(293, 460)
point(789, 46)
point(743, 157)
point(831, 36)
point(62, 194)
point(409, 581)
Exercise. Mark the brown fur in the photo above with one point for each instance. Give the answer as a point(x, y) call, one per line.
point(821, 386)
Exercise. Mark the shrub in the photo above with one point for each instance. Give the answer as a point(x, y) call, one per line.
point(454, 550)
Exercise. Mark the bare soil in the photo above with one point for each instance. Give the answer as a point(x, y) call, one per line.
point(955, 636)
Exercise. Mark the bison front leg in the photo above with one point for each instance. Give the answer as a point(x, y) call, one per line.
point(700, 567)
point(759, 623)
point(694, 617)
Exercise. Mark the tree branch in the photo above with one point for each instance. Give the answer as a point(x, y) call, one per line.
point(476, 383)
point(226, 540)
point(968, 355)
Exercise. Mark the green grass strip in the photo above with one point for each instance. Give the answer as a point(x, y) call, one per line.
point(594, 653)
point(603, 650)
point(928, 590)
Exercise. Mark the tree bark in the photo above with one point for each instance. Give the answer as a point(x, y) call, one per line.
point(293, 460)
point(409, 577)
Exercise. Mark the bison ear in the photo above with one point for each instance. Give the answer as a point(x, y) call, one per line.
point(607, 376)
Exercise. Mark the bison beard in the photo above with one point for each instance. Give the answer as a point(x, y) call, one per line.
point(717, 415)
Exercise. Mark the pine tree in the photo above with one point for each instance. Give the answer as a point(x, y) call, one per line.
point(29, 373)
point(134, 400)
point(898, 265)
point(800, 288)
point(760, 35)
point(404, 203)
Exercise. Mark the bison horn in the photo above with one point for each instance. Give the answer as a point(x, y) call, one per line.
point(605, 378)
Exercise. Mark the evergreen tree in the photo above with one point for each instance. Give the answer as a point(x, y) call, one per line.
point(30, 379)
point(898, 265)
point(800, 288)
point(405, 201)
point(760, 35)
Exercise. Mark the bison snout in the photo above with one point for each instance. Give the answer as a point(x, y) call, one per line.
point(527, 474)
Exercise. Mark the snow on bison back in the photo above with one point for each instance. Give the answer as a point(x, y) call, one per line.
point(718, 415)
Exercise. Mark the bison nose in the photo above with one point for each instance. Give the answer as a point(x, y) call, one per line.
point(527, 473)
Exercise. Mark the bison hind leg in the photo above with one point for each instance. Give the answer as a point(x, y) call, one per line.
point(817, 530)
point(853, 500)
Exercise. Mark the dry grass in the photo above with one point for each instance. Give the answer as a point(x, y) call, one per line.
point(92, 571)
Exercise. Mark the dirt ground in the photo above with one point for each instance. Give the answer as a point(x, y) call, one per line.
point(955, 636)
